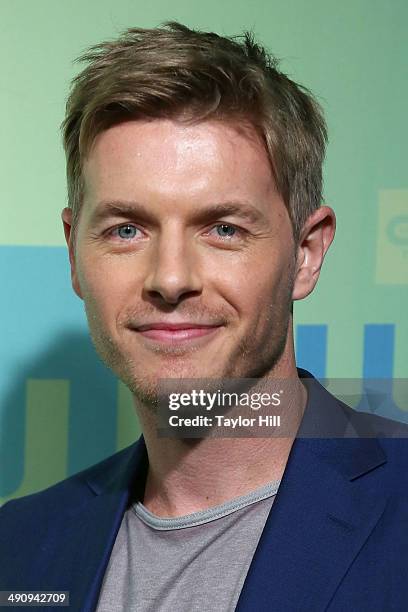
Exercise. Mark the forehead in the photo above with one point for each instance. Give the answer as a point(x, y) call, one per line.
point(166, 158)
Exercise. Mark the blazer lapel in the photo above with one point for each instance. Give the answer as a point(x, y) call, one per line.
point(109, 507)
point(91, 528)
point(323, 513)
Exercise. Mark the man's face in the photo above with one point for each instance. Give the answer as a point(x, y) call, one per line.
point(172, 258)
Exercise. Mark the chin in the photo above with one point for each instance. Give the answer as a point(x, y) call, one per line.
point(149, 382)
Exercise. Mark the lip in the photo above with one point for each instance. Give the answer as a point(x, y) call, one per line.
point(174, 326)
point(176, 333)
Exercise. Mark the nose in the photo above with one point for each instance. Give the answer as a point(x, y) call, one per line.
point(173, 269)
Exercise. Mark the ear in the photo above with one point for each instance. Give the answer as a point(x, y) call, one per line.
point(66, 217)
point(315, 239)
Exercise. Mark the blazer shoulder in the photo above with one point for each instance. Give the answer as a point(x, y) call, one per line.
point(377, 425)
point(68, 493)
point(392, 437)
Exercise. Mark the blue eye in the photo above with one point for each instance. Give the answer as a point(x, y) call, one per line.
point(228, 229)
point(126, 231)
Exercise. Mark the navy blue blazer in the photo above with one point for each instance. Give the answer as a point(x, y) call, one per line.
point(336, 538)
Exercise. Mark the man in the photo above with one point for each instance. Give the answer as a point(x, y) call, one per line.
point(194, 221)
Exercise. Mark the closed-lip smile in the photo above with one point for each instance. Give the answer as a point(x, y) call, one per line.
point(176, 332)
point(173, 326)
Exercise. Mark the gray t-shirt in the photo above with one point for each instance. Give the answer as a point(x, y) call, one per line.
point(194, 563)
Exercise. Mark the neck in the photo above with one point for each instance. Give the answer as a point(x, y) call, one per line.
point(189, 475)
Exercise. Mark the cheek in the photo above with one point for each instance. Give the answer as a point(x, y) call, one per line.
point(263, 290)
point(103, 289)
point(249, 290)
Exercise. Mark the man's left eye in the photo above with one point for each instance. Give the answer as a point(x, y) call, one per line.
point(125, 231)
point(225, 230)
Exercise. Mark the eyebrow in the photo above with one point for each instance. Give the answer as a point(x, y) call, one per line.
point(106, 210)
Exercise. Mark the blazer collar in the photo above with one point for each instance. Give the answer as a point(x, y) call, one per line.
point(121, 472)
